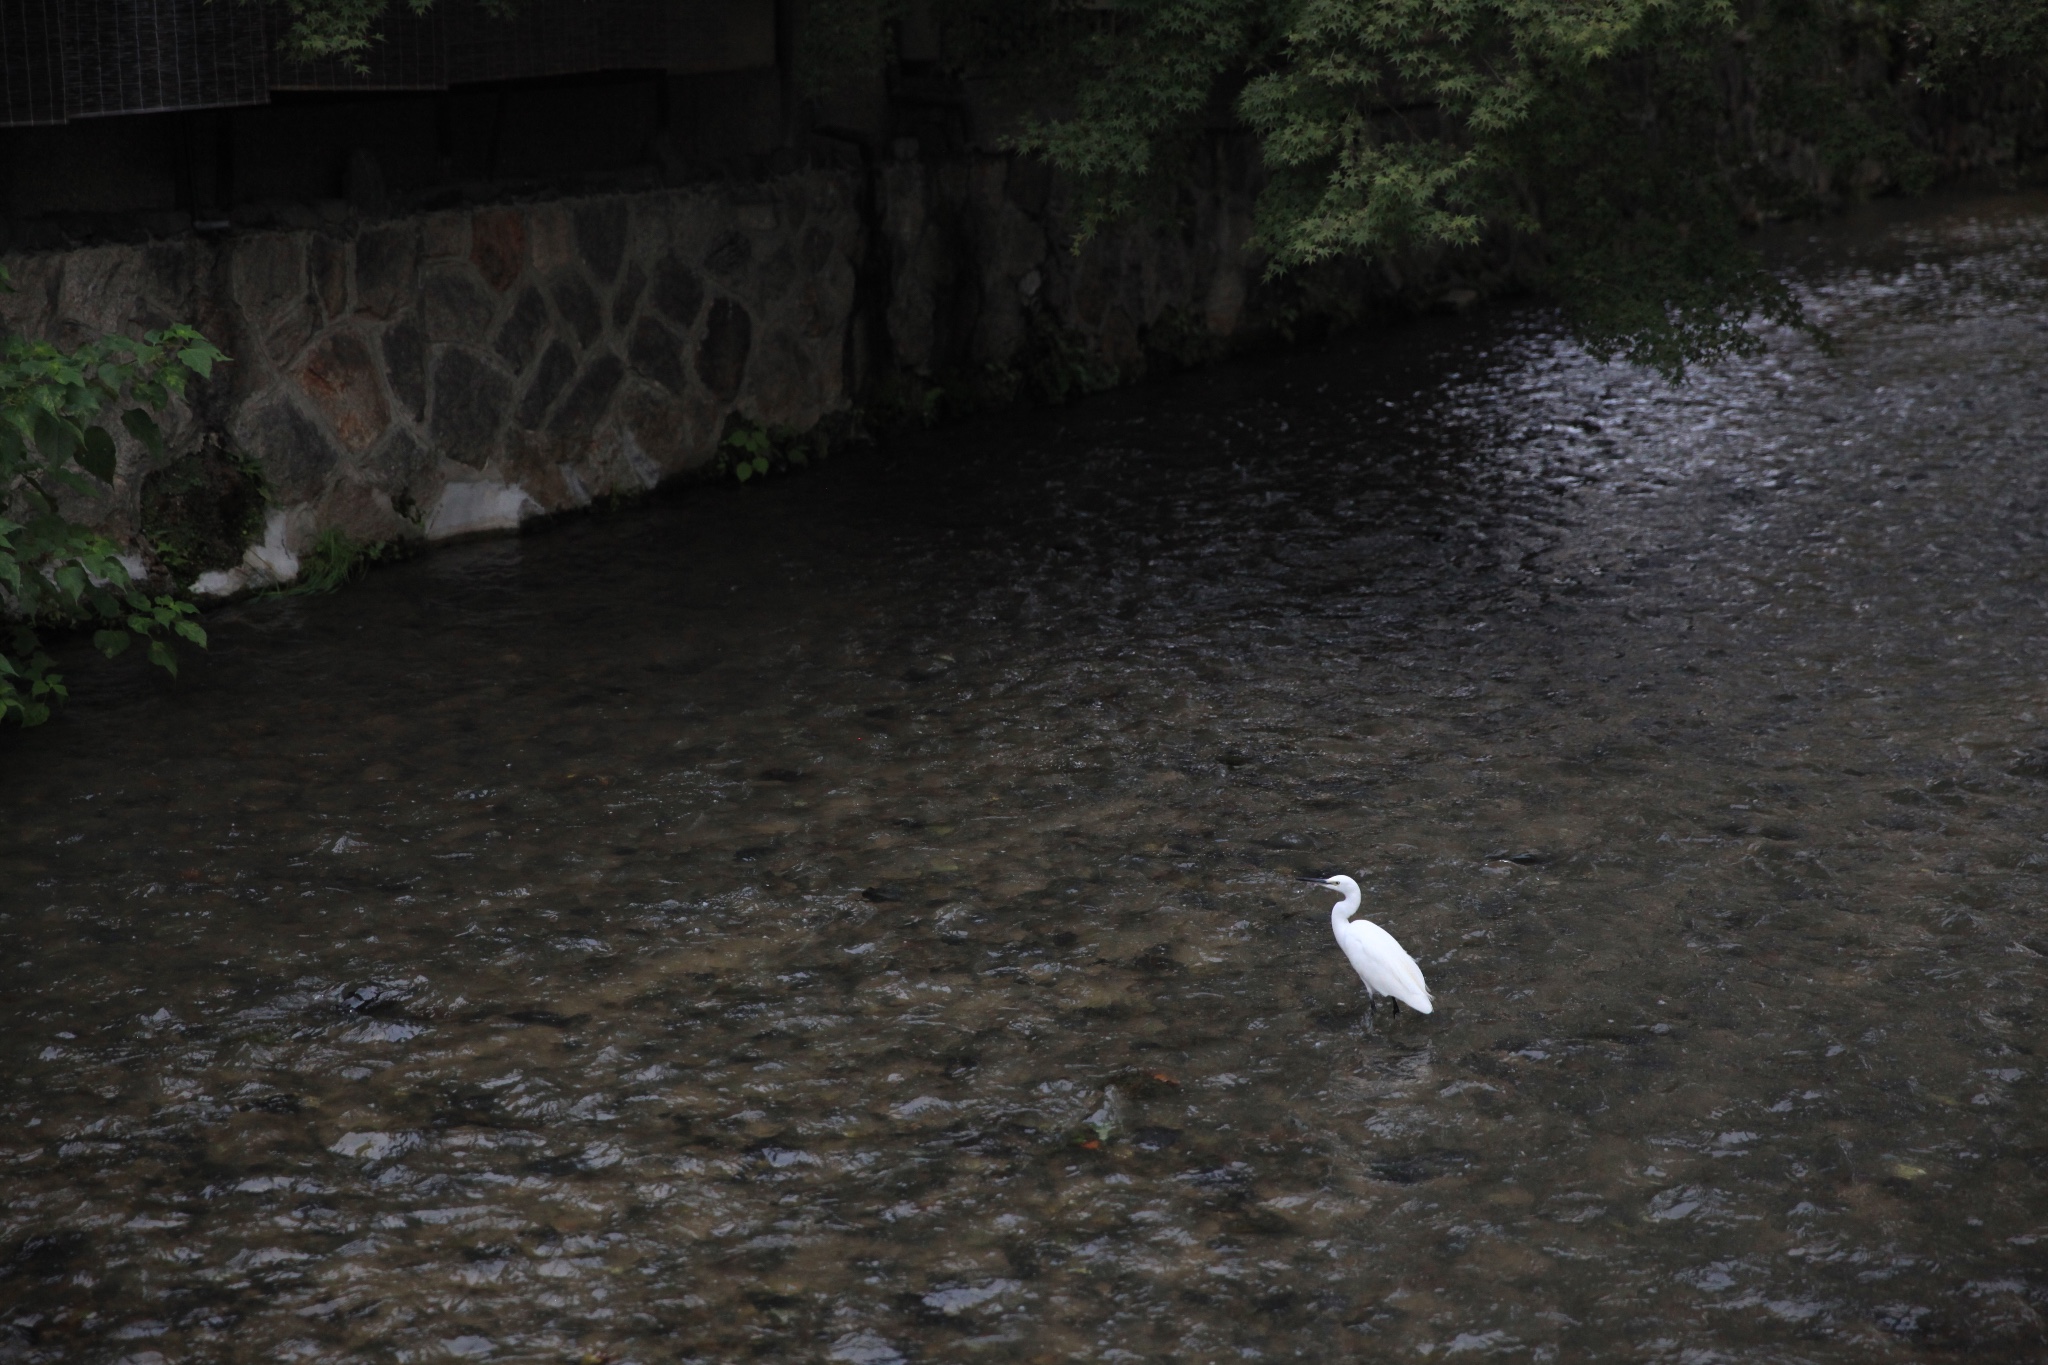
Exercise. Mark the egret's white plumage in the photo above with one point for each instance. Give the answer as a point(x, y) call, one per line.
point(1381, 963)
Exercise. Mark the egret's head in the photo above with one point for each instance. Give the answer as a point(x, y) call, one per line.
point(1339, 883)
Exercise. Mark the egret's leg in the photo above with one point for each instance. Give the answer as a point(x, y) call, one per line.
point(1372, 1009)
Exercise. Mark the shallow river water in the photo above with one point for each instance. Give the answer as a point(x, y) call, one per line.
point(854, 919)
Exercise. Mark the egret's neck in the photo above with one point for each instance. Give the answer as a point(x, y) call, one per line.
point(1341, 912)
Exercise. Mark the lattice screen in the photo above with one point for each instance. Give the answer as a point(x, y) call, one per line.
point(65, 59)
point(143, 56)
point(31, 61)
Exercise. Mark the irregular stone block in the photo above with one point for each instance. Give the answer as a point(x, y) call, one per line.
point(405, 365)
point(550, 237)
point(586, 403)
point(268, 272)
point(776, 274)
point(295, 455)
point(400, 465)
point(340, 376)
point(455, 305)
point(783, 385)
point(170, 270)
point(523, 331)
point(269, 283)
point(628, 296)
point(327, 263)
point(363, 513)
point(818, 249)
point(675, 433)
point(469, 402)
point(36, 282)
point(497, 246)
point(678, 293)
point(386, 266)
point(577, 303)
point(557, 368)
point(471, 507)
point(445, 234)
point(657, 353)
point(730, 256)
point(601, 236)
point(99, 290)
point(722, 355)
point(534, 462)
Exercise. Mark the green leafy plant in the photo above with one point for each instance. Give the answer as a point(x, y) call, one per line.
point(336, 558)
point(56, 452)
point(201, 511)
point(752, 451)
point(1627, 144)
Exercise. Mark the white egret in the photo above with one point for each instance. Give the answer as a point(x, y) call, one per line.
point(1381, 963)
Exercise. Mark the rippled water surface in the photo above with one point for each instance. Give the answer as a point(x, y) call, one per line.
point(853, 919)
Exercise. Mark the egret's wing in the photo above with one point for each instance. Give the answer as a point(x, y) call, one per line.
point(1383, 964)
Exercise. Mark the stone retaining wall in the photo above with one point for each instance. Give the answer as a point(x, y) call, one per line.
point(461, 372)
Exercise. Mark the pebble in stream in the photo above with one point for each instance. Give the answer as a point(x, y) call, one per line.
point(854, 920)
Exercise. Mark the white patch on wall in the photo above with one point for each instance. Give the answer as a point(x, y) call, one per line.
point(644, 469)
point(470, 507)
point(273, 559)
point(263, 565)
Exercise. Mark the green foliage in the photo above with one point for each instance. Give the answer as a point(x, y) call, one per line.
point(200, 512)
point(346, 30)
point(335, 559)
point(843, 43)
point(54, 569)
point(1634, 141)
point(1058, 366)
point(903, 401)
point(752, 451)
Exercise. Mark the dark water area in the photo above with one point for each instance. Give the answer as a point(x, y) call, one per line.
point(854, 918)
